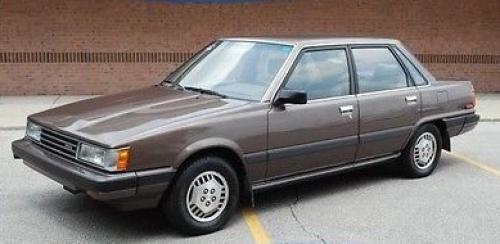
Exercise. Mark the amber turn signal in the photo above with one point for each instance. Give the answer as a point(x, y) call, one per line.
point(123, 157)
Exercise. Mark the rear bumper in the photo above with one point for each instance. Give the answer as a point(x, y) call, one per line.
point(128, 190)
point(461, 124)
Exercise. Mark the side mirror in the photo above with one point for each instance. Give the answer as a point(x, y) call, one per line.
point(291, 96)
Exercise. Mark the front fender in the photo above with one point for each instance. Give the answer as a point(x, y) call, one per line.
point(214, 142)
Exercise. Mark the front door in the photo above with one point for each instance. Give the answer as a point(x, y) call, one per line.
point(323, 132)
point(388, 103)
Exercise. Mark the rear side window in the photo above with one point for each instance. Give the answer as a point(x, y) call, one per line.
point(377, 70)
point(415, 75)
point(321, 74)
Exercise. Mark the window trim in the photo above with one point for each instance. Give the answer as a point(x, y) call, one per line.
point(396, 50)
point(409, 88)
point(298, 57)
point(409, 81)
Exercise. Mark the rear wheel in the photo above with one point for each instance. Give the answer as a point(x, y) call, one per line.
point(203, 197)
point(422, 154)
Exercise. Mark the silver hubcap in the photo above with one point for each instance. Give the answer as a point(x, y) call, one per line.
point(425, 150)
point(207, 196)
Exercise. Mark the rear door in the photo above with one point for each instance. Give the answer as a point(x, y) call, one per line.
point(388, 102)
point(323, 132)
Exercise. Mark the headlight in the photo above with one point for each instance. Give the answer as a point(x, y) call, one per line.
point(33, 131)
point(109, 159)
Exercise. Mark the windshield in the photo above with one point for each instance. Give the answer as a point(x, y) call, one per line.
point(237, 69)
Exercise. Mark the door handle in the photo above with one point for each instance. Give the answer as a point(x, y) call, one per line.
point(411, 99)
point(347, 109)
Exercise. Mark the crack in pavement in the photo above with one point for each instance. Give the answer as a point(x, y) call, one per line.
point(302, 226)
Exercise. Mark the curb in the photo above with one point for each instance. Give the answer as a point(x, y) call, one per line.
point(7, 128)
point(489, 120)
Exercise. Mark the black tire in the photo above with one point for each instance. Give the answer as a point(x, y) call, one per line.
point(407, 163)
point(174, 203)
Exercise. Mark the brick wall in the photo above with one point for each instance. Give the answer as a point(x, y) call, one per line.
point(104, 46)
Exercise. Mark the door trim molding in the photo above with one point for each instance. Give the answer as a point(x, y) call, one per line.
point(385, 134)
point(310, 175)
point(313, 147)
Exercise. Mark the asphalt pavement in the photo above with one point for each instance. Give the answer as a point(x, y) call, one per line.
point(459, 203)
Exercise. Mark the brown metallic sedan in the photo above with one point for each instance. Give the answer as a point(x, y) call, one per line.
point(246, 114)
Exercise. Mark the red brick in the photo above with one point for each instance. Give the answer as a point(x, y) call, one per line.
point(427, 27)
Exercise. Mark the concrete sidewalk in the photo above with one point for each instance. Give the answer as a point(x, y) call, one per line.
point(488, 106)
point(15, 109)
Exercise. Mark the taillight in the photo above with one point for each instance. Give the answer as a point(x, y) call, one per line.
point(474, 100)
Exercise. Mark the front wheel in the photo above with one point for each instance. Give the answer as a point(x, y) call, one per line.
point(203, 197)
point(422, 154)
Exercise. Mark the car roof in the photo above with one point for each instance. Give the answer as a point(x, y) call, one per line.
point(315, 40)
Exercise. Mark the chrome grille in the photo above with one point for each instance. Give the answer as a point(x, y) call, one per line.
point(58, 143)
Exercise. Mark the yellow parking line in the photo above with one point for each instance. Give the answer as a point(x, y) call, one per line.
point(259, 234)
point(478, 164)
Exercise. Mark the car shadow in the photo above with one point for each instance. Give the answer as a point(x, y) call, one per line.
point(323, 186)
point(335, 184)
point(88, 217)
point(95, 221)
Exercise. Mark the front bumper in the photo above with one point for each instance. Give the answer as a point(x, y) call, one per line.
point(127, 190)
point(461, 124)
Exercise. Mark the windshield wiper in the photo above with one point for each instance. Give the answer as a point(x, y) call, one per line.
point(170, 84)
point(204, 91)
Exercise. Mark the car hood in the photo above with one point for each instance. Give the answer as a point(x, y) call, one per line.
point(114, 119)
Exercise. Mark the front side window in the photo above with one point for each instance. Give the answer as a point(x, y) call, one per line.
point(321, 74)
point(237, 69)
point(415, 75)
point(377, 69)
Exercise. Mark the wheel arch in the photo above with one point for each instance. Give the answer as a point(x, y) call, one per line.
point(445, 137)
point(223, 148)
point(441, 125)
